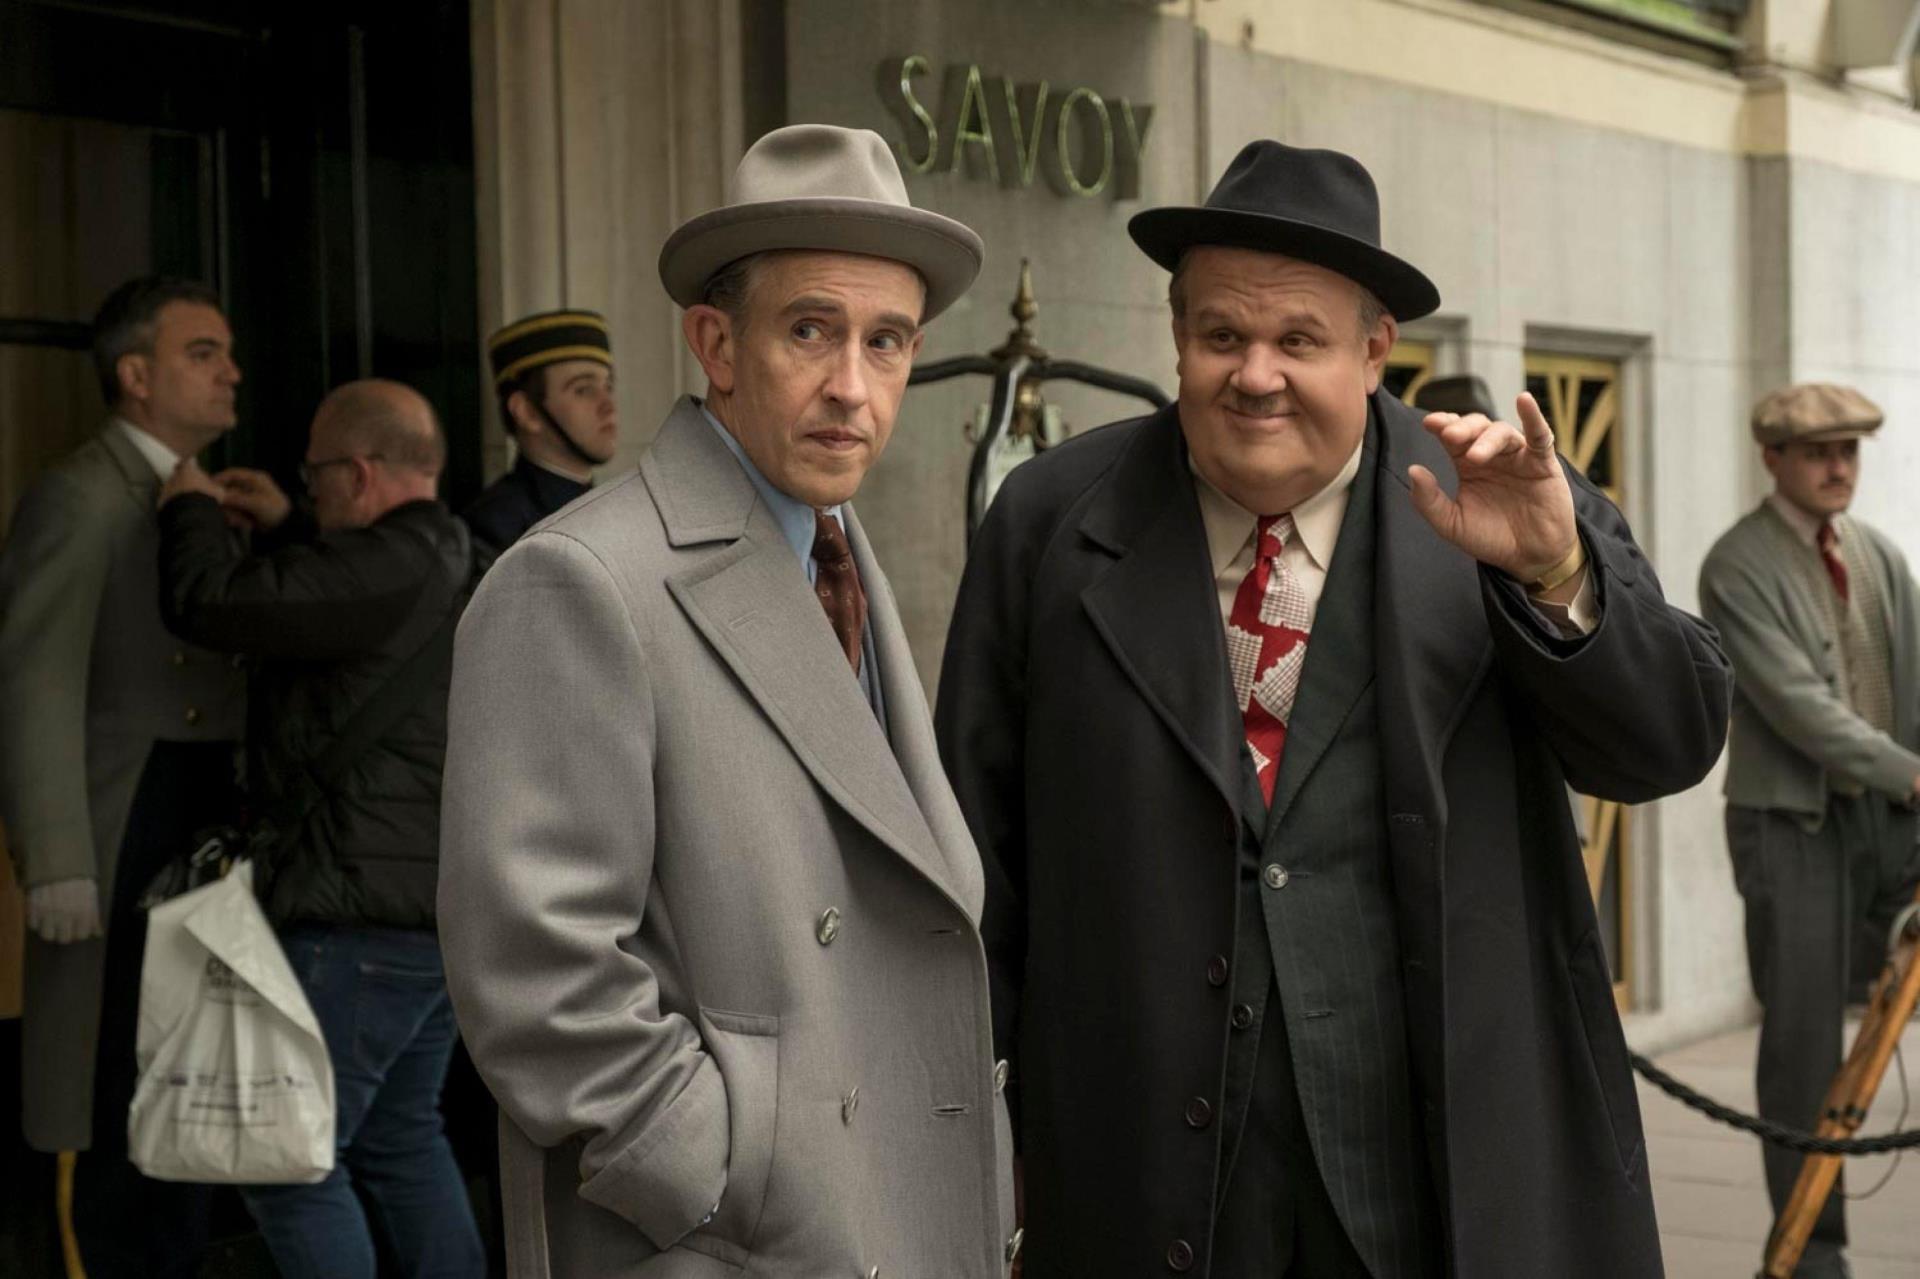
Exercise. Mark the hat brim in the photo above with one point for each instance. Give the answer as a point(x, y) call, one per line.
point(945, 253)
point(1165, 234)
point(1773, 437)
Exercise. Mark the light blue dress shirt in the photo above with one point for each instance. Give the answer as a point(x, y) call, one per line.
point(797, 523)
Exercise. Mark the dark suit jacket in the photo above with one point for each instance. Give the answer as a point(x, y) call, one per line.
point(517, 501)
point(1085, 719)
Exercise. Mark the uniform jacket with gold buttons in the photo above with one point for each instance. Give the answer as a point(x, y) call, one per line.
point(710, 926)
point(89, 681)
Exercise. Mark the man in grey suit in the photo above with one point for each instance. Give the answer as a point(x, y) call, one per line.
point(1818, 614)
point(708, 905)
point(116, 744)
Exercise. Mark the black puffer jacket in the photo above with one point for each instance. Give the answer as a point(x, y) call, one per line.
point(331, 617)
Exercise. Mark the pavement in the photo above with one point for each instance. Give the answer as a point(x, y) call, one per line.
point(1708, 1187)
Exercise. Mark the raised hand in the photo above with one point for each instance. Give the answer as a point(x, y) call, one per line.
point(1514, 510)
point(187, 477)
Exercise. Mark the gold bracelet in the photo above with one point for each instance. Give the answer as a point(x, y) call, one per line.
point(1562, 573)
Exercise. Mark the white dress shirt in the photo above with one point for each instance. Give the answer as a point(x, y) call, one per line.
point(161, 458)
point(1309, 552)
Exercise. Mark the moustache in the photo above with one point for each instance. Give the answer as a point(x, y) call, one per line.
point(1256, 405)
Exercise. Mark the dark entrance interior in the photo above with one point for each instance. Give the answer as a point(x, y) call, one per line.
point(312, 162)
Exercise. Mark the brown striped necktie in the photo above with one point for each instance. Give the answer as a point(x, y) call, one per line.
point(837, 582)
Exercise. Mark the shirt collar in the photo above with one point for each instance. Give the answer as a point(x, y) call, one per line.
point(795, 518)
point(161, 458)
point(558, 474)
point(1805, 527)
point(1316, 521)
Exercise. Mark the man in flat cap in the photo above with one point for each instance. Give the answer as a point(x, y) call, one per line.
point(710, 908)
point(553, 373)
point(1261, 709)
point(1818, 614)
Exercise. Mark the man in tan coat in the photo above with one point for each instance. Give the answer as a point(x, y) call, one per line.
point(116, 744)
point(708, 905)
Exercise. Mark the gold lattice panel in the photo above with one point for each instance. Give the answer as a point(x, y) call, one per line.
point(1409, 365)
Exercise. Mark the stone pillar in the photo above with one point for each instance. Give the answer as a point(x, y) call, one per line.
point(600, 126)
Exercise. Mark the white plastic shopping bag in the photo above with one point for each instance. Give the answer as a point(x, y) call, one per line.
point(235, 1082)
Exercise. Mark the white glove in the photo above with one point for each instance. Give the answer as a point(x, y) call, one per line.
point(65, 910)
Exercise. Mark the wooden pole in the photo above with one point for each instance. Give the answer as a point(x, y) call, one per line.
point(1850, 1096)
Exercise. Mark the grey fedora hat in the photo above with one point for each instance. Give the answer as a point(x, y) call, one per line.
point(818, 186)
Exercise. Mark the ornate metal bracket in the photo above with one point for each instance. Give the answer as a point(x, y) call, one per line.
point(1019, 367)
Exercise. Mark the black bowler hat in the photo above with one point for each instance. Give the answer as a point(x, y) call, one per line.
point(1317, 206)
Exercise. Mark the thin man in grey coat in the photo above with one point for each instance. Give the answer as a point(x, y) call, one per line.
point(709, 908)
point(1818, 614)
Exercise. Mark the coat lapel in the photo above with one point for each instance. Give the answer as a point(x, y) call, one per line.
point(751, 601)
point(142, 484)
point(1333, 679)
point(1432, 647)
point(910, 723)
point(1156, 607)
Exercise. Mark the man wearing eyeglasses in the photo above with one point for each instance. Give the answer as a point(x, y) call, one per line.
point(348, 617)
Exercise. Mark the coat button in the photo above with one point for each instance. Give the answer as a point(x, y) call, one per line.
point(1199, 1113)
point(999, 1076)
point(1014, 1240)
point(1180, 1255)
point(1217, 971)
point(1242, 1016)
point(179, 658)
point(829, 926)
point(1275, 875)
point(849, 1104)
point(193, 715)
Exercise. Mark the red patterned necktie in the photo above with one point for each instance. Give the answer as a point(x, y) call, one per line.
point(1267, 646)
point(1826, 539)
point(837, 582)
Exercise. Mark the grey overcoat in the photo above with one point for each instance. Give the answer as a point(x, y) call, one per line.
point(89, 680)
point(711, 931)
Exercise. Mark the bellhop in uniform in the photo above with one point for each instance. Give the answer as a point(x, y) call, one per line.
point(1261, 710)
point(553, 373)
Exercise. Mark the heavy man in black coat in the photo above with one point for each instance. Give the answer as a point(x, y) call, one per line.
point(1261, 710)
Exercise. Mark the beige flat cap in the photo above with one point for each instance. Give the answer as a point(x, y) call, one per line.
point(818, 186)
point(1814, 411)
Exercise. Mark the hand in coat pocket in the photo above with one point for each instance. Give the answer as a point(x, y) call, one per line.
point(746, 1048)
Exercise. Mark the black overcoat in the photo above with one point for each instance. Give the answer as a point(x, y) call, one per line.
point(1085, 717)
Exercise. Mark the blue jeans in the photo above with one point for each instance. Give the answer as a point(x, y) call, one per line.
point(380, 995)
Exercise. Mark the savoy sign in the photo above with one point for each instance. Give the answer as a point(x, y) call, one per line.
point(1076, 141)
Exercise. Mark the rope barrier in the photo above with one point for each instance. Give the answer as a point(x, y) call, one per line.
point(1772, 1133)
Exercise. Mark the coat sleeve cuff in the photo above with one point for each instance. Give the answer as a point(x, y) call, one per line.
point(62, 853)
point(1895, 772)
point(670, 1176)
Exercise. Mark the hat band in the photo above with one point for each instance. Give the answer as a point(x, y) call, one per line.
point(541, 323)
point(551, 355)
